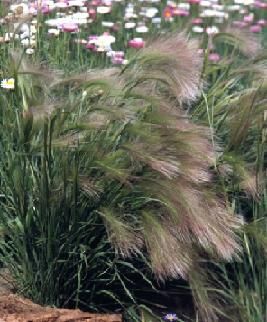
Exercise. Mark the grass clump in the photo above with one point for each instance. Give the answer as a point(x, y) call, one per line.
point(115, 181)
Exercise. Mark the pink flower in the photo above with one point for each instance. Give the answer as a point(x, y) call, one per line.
point(167, 13)
point(259, 4)
point(118, 54)
point(46, 9)
point(95, 3)
point(262, 23)
point(136, 43)
point(117, 60)
point(33, 11)
point(62, 3)
point(214, 57)
point(255, 28)
point(239, 24)
point(92, 13)
point(178, 12)
point(91, 43)
point(70, 27)
point(91, 47)
point(193, 1)
point(249, 18)
point(197, 21)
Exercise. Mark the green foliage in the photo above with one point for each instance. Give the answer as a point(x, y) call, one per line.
point(234, 107)
point(104, 179)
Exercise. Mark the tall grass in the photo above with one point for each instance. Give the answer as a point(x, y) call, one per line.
point(88, 165)
point(234, 107)
point(109, 188)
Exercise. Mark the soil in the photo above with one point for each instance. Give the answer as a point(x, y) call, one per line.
point(17, 309)
point(14, 308)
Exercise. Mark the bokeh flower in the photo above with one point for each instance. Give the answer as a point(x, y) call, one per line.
point(167, 13)
point(170, 317)
point(132, 19)
point(29, 51)
point(214, 57)
point(69, 27)
point(255, 28)
point(8, 83)
point(103, 9)
point(136, 43)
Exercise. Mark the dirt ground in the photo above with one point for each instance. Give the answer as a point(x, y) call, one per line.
point(14, 308)
point(17, 309)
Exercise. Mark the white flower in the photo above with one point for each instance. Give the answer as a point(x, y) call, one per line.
point(212, 13)
point(80, 41)
point(141, 29)
point(110, 53)
point(156, 20)
point(205, 3)
point(53, 31)
point(80, 15)
point(103, 9)
point(244, 2)
point(83, 9)
point(25, 35)
point(129, 25)
point(33, 29)
point(107, 2)
point(183, 5)
point(51, 5)
point(29, 51)
point(54, 22)
point(218, 7)
point(25, 27)
point(8, 36)
point(235, 7)
point(76, 3)
point(28, 42)
point(212, 30)
point(107, 24)
point(61, 5)
point(84, 94)
point(103, 42)
point(151, 12)
point(8, 83)
point(129, 12)
point(197, 29)
point(22, 7)
point(80, 21)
